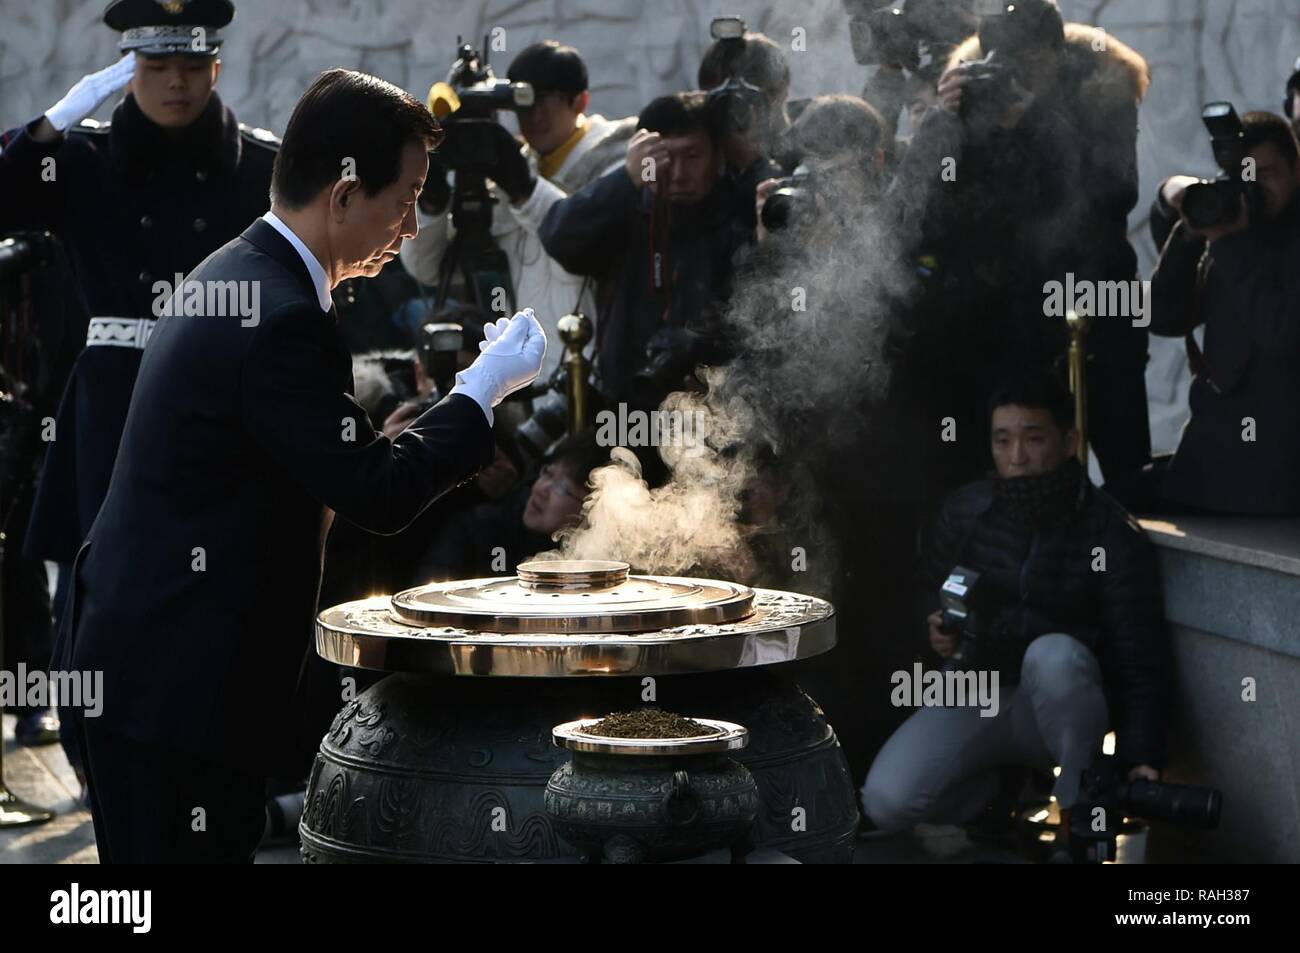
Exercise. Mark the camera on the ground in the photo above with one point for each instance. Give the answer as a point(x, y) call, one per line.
point(1107, 797)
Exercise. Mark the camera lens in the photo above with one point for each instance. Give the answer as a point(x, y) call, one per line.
point(1176, 803)
point(1206, 204)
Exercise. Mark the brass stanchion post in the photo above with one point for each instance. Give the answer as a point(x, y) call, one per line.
point(575, 331)
point(1078, 325)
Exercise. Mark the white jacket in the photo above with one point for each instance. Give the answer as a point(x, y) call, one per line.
point(539, 282)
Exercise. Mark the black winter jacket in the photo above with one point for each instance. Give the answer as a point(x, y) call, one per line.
point(1043, 581)
point(1240, 451)
point(655, 265)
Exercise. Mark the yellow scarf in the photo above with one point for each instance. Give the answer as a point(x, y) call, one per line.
point(550, 163)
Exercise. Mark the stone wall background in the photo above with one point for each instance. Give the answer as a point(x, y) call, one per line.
point(1198, 49)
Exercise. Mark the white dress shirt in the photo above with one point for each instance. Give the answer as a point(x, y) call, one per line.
point(314, 268)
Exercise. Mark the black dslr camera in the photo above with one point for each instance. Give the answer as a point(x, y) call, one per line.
point(791, 199)
point(907, 33)
point(1208, 203)
point(738, 106)
point(673, 353)
point(988, 94)
point(440, 345)
point(1105, 786)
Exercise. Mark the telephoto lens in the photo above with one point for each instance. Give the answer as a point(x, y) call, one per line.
point(1182, 804)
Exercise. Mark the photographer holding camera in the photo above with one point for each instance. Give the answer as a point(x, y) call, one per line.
point(748, 83)
point(1069, 613)
point(1229, 264)
point(841, 139)
point(565, 148)
point(659, 235)
point(1023, 174)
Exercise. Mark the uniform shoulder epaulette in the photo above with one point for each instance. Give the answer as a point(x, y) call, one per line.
point(264, 136)
point(93, 125)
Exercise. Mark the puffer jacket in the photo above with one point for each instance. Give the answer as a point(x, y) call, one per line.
point(1041, 580)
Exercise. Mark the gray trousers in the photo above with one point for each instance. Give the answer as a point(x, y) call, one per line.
point(940, 766)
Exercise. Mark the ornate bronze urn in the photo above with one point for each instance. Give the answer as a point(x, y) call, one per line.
point(639, 800)
point(448, 759)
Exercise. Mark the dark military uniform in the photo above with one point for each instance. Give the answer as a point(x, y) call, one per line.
point(133, 206)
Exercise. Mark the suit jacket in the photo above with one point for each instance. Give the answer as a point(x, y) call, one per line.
point(196, 588)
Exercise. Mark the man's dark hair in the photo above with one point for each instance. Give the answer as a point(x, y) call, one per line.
point(579, 453)
point(550, 68)
point(679, 113)
point(1037, 390)
point(1262, 126)
point(1023, 25)
point(836, 125)
point(348, 115)
point(755, 58)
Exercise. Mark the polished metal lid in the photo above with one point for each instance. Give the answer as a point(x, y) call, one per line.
point(778, 627)
point(573, 597)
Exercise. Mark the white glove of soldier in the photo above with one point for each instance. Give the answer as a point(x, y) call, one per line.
point(90, 92)
point(510, 360)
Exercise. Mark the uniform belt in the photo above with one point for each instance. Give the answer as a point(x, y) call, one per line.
point(119, 332)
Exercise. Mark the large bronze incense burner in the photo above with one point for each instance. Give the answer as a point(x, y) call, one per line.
point(448, 759)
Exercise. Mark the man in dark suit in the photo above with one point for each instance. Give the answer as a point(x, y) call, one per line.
point(195, 590)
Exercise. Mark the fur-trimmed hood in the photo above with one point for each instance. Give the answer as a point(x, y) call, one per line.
point(1110, 71)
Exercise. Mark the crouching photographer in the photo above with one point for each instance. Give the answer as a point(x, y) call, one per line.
point(1065, 621)
point(1229, 263)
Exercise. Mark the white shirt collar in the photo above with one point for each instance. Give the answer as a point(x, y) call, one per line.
point(318, 276)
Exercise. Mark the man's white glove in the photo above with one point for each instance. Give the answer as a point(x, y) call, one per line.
point(90, 92)
point(510, 359)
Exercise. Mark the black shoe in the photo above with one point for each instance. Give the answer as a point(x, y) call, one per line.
point(996, 827)
point(36, 729)
point(867, 829)
point(283, 812)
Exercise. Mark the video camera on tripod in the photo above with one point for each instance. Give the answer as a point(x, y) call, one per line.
point(466, 105)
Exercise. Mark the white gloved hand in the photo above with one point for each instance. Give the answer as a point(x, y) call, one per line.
point(510, 359)
point(90, 92)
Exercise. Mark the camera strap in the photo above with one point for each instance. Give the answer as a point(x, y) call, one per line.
point(1200, 367)
point(660, 261)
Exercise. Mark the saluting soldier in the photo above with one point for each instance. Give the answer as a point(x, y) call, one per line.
point(135, 202)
